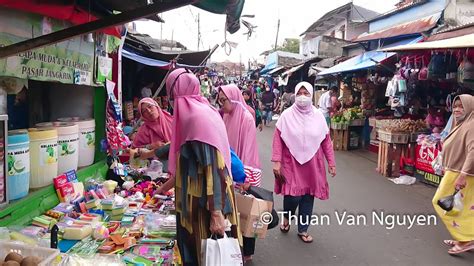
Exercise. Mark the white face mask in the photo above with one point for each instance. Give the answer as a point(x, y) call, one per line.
point(303, 101)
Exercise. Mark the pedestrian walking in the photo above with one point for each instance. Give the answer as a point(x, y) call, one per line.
point(268, 104)
point(247, 94)
point(243, 140)
point(200, 162)
point(458, 161)
point(325, 103)
point(300, 143)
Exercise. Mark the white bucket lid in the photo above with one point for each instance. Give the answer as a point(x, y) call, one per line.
point(86, 123)
point(63, 128)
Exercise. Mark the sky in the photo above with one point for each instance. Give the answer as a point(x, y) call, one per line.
point(295, 17)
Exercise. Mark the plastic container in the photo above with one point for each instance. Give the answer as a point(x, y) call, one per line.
point(43, 156)
point(47, 255)
point(68, 144)
point(86, 139)
point(18, 161)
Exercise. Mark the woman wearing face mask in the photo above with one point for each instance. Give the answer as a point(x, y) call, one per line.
point(300, 144)
point(156, 128)
point(458, 161)
point(242, 135)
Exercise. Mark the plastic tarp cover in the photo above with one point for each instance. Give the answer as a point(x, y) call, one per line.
point(366, 60)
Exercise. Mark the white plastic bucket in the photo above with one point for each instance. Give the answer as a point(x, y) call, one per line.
point(68, 145)
point(43, 156)
point(86, 139)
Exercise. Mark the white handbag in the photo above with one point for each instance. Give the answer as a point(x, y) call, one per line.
point(223, 251)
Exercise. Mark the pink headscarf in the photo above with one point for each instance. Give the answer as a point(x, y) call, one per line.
point(302, 128)
point(241, 128)
point(194, 118)
point(153, 131)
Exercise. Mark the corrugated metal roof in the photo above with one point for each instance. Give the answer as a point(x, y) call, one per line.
point(452, 32)
point(330, 19)
point(460, 42)
point(409, 28)
point(398, 10)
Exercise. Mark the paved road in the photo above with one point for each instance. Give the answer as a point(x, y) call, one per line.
point(358, 189)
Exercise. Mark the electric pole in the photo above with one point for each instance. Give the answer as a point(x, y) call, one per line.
point(199, 31)
point(276, 39)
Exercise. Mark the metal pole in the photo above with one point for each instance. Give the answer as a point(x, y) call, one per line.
point(278, 31)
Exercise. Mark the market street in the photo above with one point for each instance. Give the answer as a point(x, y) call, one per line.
point(358, 189)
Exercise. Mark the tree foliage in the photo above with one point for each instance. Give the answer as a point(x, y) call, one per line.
point(291, 45)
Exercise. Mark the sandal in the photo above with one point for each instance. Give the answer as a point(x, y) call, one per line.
point(450, 243)
point(461, 249)
point(285, 228)
point(306, 238)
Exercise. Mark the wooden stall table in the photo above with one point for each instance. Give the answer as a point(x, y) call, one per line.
point(340, 136)
point(392, 147)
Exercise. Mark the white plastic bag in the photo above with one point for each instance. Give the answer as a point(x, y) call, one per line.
point(223, 251)
point(404, 180)
point(457, 206)
point(437, 164)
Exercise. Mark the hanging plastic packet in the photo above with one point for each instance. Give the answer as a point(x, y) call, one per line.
point(457, 206)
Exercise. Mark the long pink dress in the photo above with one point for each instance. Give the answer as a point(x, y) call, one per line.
point(309, 178)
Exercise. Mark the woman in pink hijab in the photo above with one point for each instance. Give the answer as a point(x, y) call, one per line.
point(240, 125)
point(156, 128)
point(200, 162)
point(301, 143)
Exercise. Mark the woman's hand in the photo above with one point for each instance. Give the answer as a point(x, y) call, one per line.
point(217, 223)
point(260, 127)
point(155, 145)
point(332, 170)
point(277, 172)
point(460, 182)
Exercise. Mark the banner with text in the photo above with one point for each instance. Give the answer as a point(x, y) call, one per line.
point(68, 62)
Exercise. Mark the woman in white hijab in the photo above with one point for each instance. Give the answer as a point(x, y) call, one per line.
point(301, 144)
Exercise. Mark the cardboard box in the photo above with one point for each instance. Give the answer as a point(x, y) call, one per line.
point(250, 210)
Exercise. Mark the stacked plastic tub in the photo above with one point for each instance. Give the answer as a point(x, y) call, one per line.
point(86, 139)
point(68, 144)
point(18, 159)
point(43, 156)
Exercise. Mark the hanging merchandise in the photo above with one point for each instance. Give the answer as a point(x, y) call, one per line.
point(466, 71)
point(402, 85)
point(437, 67)
point(423, 75)
point(452, 68)
point(392, 87)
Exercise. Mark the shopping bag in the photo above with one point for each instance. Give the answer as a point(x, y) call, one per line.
point(267, 195)
point(457, 205)
point(254, 215)
point(447, 203)
point(223, 251)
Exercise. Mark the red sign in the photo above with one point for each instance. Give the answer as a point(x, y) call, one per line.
point(424, 157)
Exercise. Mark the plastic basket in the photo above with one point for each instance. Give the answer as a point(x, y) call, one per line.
point(398, 138)
point(47, 255)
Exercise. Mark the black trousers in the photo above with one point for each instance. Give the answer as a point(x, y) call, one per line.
point(249, 246)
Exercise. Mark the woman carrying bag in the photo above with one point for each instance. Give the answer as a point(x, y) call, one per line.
point(458, 162)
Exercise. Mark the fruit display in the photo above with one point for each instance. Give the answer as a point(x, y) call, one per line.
point(14, 258)
point(402, 125)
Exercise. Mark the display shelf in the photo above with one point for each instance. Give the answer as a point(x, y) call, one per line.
point(21, 212)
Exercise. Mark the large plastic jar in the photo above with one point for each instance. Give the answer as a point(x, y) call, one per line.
point(68, 144)
point(86, 139)
point(18, 160)
point(43, 156)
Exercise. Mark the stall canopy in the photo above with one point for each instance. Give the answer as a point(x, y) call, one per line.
point(147, 50)
point(366, 60)
point(466, 41)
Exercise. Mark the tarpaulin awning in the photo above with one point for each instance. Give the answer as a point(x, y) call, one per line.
point(460, 42)
point(293, 69)
point(150, 61)
point(409, 28)
point(365, 60)
point(66, 10)
point(276, 70)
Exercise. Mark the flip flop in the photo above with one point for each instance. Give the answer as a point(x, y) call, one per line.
point(458, 250)
point(305, 236)
point(285, 228)
point(450, 243)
